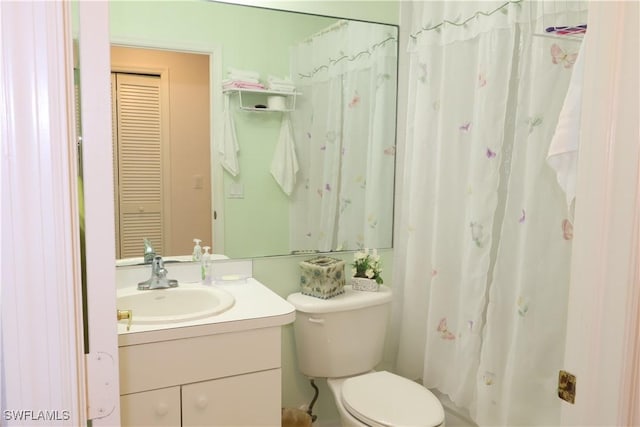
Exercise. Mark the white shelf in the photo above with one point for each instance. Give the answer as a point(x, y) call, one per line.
point(260, 91)
point(290, 102)
point(267, 110)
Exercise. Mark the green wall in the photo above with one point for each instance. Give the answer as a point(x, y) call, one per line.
point(198, 22)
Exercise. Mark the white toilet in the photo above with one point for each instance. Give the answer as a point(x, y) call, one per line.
point(342, 339)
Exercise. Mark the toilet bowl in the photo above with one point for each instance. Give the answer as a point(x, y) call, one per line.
point(383, 399)
point(342, 339)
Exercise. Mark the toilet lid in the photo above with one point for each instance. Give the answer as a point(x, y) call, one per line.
point(385, 399)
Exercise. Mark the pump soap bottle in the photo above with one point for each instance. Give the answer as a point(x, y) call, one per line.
point(197, 251)
point(206, 267)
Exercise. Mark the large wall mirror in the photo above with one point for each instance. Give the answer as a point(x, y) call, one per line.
point(202, 151)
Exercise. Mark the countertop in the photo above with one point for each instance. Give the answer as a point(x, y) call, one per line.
point(255, 306)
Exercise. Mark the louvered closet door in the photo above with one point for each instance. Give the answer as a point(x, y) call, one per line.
point(139, 160)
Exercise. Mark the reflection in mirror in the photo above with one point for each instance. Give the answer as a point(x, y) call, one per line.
point(161, 118)
point(345, 138)
point(340, 133)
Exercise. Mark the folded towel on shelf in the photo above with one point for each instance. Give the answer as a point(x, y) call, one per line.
point(228, 148)
point(278, 80)
point(284, 165)
point(239, 84)
point(282, 88)
point(563, 150)
point(232, 77)
point(281, 85)
point(244, 73)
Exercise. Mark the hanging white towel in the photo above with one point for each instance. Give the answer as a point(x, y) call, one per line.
point(563, 151)
point(228, 148)
point(284, 165)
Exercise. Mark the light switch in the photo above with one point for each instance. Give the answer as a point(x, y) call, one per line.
point(197, 182)
point(236, 191)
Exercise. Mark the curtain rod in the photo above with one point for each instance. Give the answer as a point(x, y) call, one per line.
point(330, 28)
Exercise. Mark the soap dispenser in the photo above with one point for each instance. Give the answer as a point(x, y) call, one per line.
point(206, 267)
point(197, 250)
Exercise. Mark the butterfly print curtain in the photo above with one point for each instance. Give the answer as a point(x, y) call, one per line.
point(481, 265)
point(345, 146)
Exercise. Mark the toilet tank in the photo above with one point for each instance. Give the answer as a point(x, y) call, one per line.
point(343, 335)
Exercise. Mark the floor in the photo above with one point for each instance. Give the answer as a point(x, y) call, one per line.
point(451, 419)
point(454, 416)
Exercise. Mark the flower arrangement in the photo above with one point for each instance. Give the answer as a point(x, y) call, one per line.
point(367, 265)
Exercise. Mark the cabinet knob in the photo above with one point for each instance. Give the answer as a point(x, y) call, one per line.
point(162, 409)
point(202, 402)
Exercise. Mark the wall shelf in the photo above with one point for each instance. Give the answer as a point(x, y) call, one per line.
point(263, 95)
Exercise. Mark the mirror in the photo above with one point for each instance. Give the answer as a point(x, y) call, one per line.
point(315, 169)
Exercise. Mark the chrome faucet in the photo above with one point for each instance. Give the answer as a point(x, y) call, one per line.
point(149, 252)
point(158, 279)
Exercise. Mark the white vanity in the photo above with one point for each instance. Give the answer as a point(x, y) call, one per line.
point(221, 370)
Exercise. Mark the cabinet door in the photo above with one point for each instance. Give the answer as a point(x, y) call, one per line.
point(243, 400)
point(151, 408)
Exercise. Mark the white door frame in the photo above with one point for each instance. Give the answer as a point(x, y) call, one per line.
point(604, 292)
point(101, 325)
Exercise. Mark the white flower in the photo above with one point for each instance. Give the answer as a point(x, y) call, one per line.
point(366, 263)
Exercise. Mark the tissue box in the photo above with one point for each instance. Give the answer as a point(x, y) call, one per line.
point(322, 277)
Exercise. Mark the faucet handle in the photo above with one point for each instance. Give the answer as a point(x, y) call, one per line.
point(157, 267)
point(157, 263)
point(149, 252)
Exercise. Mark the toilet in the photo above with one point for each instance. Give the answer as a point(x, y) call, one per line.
point(342, 339)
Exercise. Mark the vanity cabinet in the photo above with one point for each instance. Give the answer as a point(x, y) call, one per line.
point(226, 379)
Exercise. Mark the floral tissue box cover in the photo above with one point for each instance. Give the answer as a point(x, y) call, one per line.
point(322, 277)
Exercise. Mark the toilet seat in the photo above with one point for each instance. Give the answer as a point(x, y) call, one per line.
point(384, 399)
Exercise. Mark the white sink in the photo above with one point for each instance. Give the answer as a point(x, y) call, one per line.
point(184, 303)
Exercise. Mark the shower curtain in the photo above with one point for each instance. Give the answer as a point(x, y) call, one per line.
point(346, 153)
point(481, 276)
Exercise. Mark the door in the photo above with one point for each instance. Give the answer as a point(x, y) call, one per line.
point(138, 153)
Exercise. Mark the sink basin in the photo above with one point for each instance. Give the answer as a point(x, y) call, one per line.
point(184, 303)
